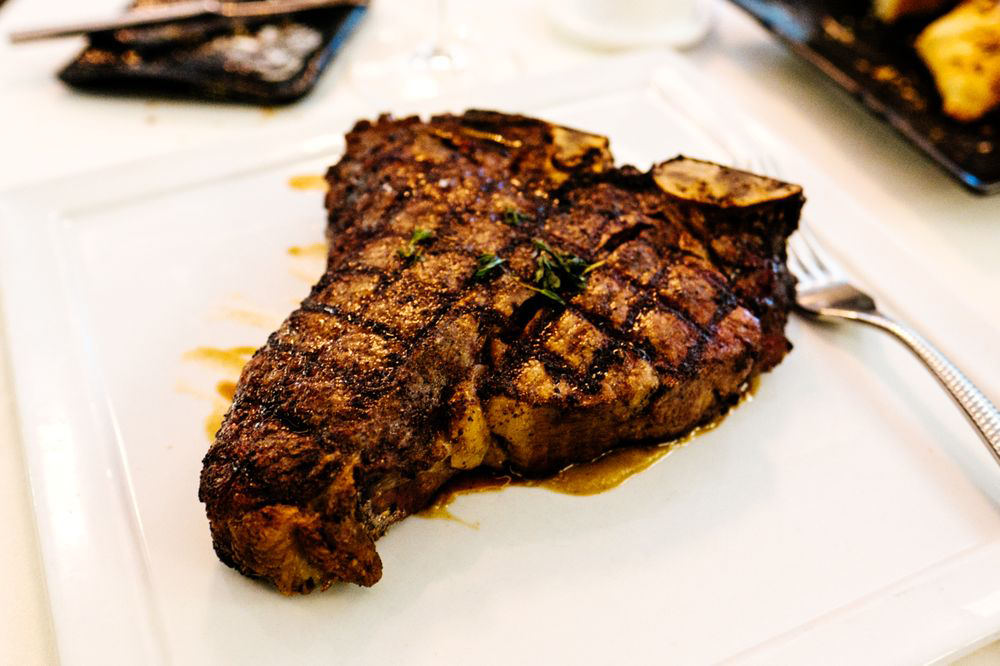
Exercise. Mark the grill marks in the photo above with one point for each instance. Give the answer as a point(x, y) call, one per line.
point(392, 369)
point(608, 219)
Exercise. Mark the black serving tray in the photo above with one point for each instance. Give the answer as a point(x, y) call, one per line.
point(265, 61)
point(878, 65)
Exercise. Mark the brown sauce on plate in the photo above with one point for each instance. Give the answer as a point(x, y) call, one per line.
point(309, 181)
point(313, 250)
point(253, 318)
point(232, 359)
point(226, 390)
point(590, 478)
point(605, 473)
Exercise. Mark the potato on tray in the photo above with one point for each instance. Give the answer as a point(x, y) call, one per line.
point(962, 50)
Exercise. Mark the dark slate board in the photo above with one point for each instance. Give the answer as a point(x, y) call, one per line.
point(878, 65)
point(269, 62)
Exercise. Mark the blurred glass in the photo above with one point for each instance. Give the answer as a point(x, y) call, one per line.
point(420, 50)
point(631, 23)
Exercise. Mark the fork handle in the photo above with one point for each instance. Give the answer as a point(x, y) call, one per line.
point(983, 413)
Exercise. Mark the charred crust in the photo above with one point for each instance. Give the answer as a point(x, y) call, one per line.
point(357, 409)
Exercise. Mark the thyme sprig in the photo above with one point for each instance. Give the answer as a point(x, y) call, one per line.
point(413, 250)
point(487, 264)
point(560, 271)
point(548, 293)
point(514, 217)
point(556, 273)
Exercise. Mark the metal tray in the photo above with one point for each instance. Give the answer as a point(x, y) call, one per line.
point(878, 65)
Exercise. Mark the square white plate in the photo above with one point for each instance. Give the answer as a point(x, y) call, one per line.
point(846, 515)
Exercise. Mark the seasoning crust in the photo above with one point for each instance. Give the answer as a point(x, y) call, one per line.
point(497, 294)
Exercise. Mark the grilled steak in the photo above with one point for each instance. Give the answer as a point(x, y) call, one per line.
point(612, 306)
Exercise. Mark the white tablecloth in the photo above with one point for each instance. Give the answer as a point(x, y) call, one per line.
point(47, 130)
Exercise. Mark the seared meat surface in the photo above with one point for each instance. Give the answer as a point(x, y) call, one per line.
point(416, 357)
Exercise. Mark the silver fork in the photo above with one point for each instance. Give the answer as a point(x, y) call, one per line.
point(825, 292)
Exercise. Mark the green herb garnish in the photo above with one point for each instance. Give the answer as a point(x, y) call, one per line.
point(548, 293)
point(413, 251)
point(559, 270)
point(487, 264)
point(514, 217)
point(555, 272)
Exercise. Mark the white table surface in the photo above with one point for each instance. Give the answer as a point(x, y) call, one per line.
point(47, 130)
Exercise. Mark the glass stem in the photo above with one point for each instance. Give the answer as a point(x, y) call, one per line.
point(439, 47)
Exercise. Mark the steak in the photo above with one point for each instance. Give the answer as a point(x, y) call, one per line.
point(497, 295)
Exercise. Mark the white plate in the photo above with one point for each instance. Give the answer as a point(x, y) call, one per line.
point(846, 515)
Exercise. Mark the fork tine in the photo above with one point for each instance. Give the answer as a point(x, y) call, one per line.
point(796, 266)
point(808, 255)
point(821, 256)
point(805, 258)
